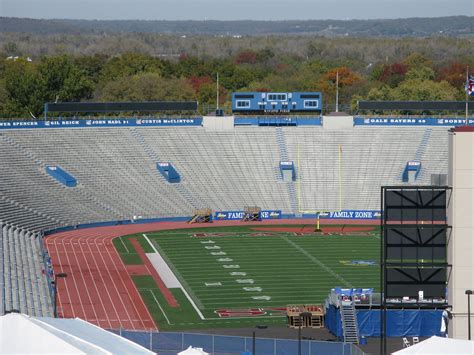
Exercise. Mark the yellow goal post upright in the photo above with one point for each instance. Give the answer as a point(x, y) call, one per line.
point(318, 212)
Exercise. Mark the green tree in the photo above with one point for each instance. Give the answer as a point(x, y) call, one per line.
point(420, 73)
point(91, 66)
point(24, 89)
point(129, 64)
point(11, 49)
point(147, 87)
point(417, 61)
point(61, 80)
point(423, 90)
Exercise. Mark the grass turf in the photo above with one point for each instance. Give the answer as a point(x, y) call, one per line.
point(280, 269)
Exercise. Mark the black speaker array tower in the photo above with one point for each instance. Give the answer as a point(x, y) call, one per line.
point(415, 235)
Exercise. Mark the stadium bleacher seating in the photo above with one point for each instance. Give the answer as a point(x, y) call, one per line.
point(25, 287)
point(117, 179)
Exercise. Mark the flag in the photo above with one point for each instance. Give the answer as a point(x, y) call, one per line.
point(470, 85)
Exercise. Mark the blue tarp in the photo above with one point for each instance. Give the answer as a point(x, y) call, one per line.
point(400, 323)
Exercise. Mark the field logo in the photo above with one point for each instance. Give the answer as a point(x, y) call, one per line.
point(252, 312)
point(228, 313)
point(359, 262)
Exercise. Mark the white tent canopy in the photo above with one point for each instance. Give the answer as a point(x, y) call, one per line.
point(193, 351)
point(440, 346)
point(21, 334)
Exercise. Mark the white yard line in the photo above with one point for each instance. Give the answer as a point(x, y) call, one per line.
point(318, 262)
point(159, 305)
point(198, 311)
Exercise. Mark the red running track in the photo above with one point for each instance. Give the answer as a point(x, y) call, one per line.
point(98, 287)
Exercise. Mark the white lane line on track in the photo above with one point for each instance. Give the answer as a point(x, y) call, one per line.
point(198, 311)
point(82, 277)
point(91, 260)
point(59, 263)
point(120, 270)
point(116, 296)
point(102, 295)
point(73, 276)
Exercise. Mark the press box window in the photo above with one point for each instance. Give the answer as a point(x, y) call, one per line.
point(311, 103)
point(242, 103)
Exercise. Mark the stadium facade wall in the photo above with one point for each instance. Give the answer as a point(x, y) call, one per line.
point(460, 216)
point(117, 122)
point(231, 121)
point(346, 216)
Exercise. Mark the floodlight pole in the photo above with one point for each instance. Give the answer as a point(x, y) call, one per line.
point(253, 337)
point(467, 94)
point(337, 91)
point(217, 92)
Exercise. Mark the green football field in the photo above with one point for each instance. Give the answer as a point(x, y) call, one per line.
point(239, 276)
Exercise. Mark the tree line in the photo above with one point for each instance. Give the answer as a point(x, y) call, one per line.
point(427, 26)
point(409, 69)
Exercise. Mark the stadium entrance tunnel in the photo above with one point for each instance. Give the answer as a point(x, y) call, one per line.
point(169, 172)
point(412, 170)
point(287, 170)
point(61, 176)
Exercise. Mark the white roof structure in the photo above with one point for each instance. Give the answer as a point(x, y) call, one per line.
point(21, 334)
point(440, 346)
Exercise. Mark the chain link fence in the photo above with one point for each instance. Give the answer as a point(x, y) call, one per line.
point(171, 343)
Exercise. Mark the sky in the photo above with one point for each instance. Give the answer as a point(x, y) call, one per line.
point(233, 9)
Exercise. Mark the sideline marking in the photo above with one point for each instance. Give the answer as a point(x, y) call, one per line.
point(151, 244)
point(159, 305)
point(198, 311)
point(128, 252)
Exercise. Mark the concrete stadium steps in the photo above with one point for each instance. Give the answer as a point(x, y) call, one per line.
point(25, 286)
point(237, 165)
point(117, 176)
point(370, 157)
point(111, 166)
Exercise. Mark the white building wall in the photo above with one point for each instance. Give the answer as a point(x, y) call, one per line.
point(461, 217)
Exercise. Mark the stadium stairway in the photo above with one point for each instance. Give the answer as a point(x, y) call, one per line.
point(20, 158)
point(148, 150)
point(420, 152)
point(423, 144)
point(280, 138)
point(349, 322)
point(151, 152)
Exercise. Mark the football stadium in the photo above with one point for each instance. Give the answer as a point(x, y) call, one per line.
point(276, 227)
